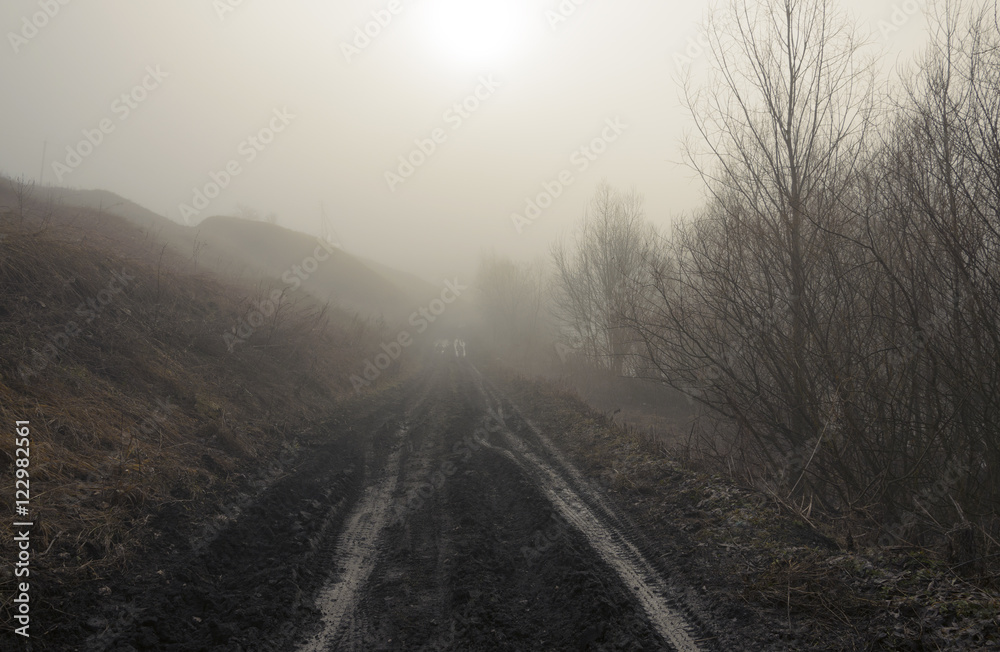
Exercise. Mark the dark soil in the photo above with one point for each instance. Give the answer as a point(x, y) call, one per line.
point(492, 540)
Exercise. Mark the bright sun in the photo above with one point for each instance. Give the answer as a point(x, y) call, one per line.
point(474, 32)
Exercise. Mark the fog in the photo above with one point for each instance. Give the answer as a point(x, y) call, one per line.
point(535, 83)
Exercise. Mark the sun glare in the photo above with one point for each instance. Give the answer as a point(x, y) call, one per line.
point(474, 32)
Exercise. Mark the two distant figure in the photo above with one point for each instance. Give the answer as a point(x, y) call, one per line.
point(442, 347)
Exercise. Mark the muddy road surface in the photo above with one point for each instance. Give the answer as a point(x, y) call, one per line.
point(433, 517)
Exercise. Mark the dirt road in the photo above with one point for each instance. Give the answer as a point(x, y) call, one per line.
point(436, 517)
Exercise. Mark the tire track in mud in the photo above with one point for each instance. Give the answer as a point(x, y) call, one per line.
point(637, 574)
point(572, 476)
point(339, 555)
point(451, 574)
point(422, 543)
point(409, 593)
point(361, 543)
point(446, 573)
point(356, 553)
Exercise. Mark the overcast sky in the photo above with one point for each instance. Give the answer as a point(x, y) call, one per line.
point(304, 111)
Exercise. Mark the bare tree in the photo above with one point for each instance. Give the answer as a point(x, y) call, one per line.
point(750, 298)
point(783, 118)
point(24, 193)
point(599, 274)
point(837, 297)
point(932, 226)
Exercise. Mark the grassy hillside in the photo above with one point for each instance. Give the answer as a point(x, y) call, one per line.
point(240, 247)
point(274, 251)
point(147, 381)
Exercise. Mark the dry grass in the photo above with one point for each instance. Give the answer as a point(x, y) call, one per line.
point(810, 580)
point(140, 403)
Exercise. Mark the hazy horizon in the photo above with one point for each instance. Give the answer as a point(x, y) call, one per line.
point(539, 83)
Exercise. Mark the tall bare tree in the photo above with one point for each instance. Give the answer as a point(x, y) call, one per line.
point(782, 119)
point(598, 275)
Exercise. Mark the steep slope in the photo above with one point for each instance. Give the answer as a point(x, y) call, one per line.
point(113, 350)
point(243, 248)
point(297, 260)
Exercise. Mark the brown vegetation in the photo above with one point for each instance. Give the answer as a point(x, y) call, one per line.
point(833, 307)
point(113, 348)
